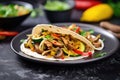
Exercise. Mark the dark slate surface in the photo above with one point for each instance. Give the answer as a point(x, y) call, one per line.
point(12, 67)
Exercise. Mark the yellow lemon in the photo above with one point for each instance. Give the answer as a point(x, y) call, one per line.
point(97, 13)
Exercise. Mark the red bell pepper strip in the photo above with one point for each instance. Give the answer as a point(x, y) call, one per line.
point(87, 54)
point(8, 33)
point(85, 4)
point(56, 35)
point(77, 30)
point(78, 51)
point(82, 53)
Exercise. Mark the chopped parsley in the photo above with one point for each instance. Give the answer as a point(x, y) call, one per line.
point(49, 37)
point(99, 54)
point(22, 40)
point(83, 33)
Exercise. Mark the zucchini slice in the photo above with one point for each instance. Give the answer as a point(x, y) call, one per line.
point(37, 39)
point(82, 47)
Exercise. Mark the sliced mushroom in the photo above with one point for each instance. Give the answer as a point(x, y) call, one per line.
point(88, 36)
point(37, 49)
point(56, 43)
point(97, 44)
point(48, 44)
point(64, 41)
point(88, 48)
point(97, 38)
point(59, 53)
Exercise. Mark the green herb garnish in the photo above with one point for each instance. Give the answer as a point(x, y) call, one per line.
point(83, 33)
point(99, 54)
point(91, 31)
point(49, 37)
point(22, 40)
point(116, 7)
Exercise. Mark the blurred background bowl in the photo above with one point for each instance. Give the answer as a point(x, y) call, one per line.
point(11, 22)
point(60, 16)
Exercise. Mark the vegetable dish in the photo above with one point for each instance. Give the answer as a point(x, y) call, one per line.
point(12, 10)
point(56, 43)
